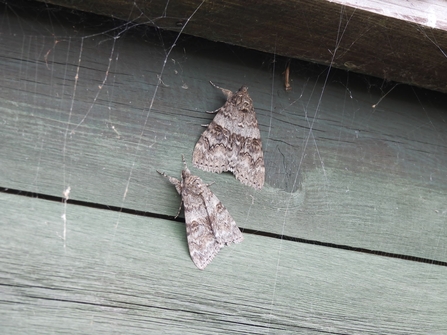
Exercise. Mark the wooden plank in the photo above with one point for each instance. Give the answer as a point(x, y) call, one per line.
point(87, 111)
point(394, 40)
point(127, 274)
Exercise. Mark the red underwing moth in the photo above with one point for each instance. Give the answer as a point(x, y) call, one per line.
point(232, 141)
point(209, 225)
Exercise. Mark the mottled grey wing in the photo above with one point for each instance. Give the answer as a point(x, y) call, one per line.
point(213, 149)
point(248, 167)
point(224, 228)
point(232, 141)
point(202, 244)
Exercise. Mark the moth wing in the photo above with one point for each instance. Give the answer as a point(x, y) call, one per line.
point(213, 149)
point(249, 167)
point(202, 244)
point(232, 141)
point(224, 228)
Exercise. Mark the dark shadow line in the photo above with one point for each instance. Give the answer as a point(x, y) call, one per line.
point(53, 198)
point(246, 231)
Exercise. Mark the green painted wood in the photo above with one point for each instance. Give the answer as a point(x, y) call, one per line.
point(80, 108)
point(125, 274)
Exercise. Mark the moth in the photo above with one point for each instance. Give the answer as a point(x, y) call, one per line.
point(232, 141)
point(209, 225)
point(286, 74)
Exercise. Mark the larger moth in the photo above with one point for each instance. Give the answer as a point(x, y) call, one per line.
point(209, 225)
point(232, 141)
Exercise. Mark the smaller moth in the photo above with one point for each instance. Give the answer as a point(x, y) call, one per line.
point(286, 73)
point(209, 225)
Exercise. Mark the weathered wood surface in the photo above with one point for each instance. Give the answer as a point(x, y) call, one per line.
point(125, 274)
point(83, 109)
point(338, 170)
point(396, 40)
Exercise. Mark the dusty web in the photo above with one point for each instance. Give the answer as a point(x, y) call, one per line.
point(115, 100)
point(311, 140)
point(57, 39)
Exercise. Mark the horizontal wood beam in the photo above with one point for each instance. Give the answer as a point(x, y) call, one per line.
point(90, 114)
point(80, 108)
point(394, 40)
point(124, 274)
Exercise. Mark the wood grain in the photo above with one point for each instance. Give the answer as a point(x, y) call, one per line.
point(395, 40)
point(100, 110)
point(338, 170)
point(128, 274)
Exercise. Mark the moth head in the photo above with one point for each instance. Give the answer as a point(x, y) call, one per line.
point(243, 100)
point(193, 185)
point(186, 173)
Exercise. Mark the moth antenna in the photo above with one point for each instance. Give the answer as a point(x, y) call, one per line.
point(228, 93)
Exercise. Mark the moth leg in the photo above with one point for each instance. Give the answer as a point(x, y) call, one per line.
point(228, 93)
point(184, 161)
point(178, 187)
point(179, 210)
point(172, 180)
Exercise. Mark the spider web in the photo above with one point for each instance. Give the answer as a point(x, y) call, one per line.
point(112, 101)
